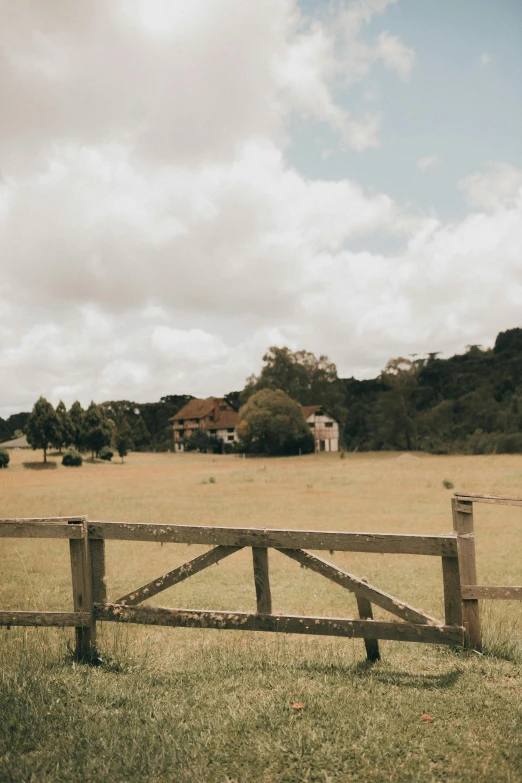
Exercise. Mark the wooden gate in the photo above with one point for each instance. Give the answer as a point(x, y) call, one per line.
point(87, 549)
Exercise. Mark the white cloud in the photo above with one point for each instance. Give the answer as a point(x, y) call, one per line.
point(428, 162)
point(395, 54)
point(485, 59)
point(498, 186)
point(153, 237)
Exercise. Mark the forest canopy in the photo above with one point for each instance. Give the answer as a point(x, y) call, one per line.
point(469, 403)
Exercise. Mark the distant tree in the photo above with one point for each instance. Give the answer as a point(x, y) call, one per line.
point(4, 458)
point(303, 376)
point(76, 415)
point(396, 411)
point(234, 398)
point(123, 437)
point(5, 431)
point(18, 421)
point(271, 422)
point(43, 426)
point(141, 435)
point(66, 429)
point(96, 429)
point(156, 416)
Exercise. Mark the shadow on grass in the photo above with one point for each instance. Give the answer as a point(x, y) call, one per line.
point(403, 679)
point(39, 465)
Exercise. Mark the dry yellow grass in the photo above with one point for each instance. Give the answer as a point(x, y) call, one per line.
point(363, 492)
point(216, 705)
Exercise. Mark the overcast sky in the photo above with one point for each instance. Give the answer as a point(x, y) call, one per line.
point(183, 184)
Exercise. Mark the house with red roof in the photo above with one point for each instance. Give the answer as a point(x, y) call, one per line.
point(216, 416)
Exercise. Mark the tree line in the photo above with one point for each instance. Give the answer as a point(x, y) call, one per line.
point(468, 403)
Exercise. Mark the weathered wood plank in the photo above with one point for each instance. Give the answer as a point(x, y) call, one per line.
point(379, 597)
point(364, 608)
point(61, 619)
point(452, 591)
point(266, 537)
point(262, 579)
point(463, 527)
point(82, 592)
point(66, 520)
point(19, 529)
point(98, 578)
point(472, 497)
point(250, 621)
point(177, 575)
point(484, 592)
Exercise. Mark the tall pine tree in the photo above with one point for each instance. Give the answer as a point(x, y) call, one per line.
point(43, 426)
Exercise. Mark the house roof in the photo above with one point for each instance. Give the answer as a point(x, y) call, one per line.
point(227, 419)
point(195, 409)
point(198, 409)
point(309, 410)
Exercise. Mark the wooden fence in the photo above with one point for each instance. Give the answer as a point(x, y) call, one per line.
point(471, 592)
point(461, 625)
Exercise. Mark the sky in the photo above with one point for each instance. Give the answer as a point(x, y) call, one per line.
point(183, 185)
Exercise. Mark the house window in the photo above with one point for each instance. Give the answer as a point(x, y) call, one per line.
point(230, 437)
point(328, 424)
point(181, 422)
point(311, 424)
point(230, 429)
point(181, 433)
point(223, 407)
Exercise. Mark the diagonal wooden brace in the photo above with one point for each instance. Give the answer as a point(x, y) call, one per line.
point(178, 575)
point(360, 588)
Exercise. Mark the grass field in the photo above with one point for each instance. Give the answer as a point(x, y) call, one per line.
point(201, 705)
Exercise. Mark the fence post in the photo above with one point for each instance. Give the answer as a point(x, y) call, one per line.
point(99, 582)
point(82, 593)
point(262, 580)
point(463, 526)
point(365, 613)
point(452, 591)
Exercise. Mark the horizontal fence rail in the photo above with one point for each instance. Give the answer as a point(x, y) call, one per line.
point(383, 543)
point(250, 621)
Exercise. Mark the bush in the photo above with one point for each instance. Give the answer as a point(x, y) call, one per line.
point(72, 458)
point(106, 453)
point(272, 423)
point(4, 458)
point(203, 441)
point(510, 443)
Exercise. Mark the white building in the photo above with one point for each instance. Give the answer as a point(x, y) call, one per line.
point(324, 427)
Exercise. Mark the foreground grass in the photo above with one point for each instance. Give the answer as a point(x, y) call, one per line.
point(176, 704)
point(219, 709)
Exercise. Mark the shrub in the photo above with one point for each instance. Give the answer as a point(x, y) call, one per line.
point(203, 441)
point(272, 423)
point(106, 453)
point(4, 458)
point(448, 484)
point(72, 458)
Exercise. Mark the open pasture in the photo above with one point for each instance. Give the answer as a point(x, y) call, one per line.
point(179, 704)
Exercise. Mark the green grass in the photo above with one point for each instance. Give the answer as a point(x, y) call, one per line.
point(199, 705)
